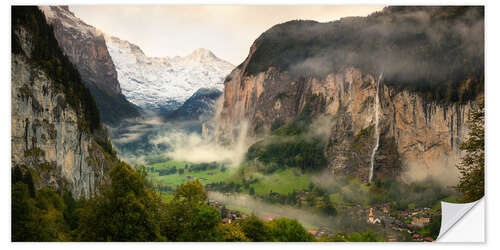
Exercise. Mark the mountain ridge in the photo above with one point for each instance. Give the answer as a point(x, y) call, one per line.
point(86, 48)
point(164, 83)
point(305, 72)
point(429, 50)
point(200, 106)
point(57, 135)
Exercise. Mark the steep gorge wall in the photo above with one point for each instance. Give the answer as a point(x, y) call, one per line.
point(54, 135)
point(46, 137)
point(416, 136)
point(327, 73)
point(86, 47)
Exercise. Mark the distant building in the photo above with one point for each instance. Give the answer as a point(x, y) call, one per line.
point(428, 239)
point(386, 208)
point(371, 218)
point(420, 221)
point(417, 237)
point(313, 232)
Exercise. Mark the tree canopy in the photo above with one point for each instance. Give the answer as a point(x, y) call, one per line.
point(471, 167)
point(47, 55)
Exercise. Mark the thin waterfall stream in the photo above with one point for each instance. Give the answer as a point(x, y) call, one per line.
point(377, 132)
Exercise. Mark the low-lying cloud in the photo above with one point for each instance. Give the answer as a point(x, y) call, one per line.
point(193, 147)
point(442, 170)
point(190, 141)
point(262, 209)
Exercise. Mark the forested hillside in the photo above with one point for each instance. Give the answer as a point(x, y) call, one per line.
point(46, 54)
point(436, 51)
point(91, 195)
point(86, 48)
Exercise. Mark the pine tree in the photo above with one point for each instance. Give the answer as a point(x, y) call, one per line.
point(471, 183)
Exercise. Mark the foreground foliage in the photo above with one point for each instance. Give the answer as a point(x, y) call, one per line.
point(289, 146)
point(128, 210)
point(471, 183)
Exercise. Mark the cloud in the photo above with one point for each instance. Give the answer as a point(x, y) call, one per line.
point(442, 170)
point(190, 141)
point(192, 147)
point(229, 31)
point(261, 209)
point(397, 44)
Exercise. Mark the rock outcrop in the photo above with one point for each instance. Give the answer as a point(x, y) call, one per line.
point(201, 106)
point(408, 125)
point(47, 135)
point(86, 47)
point(414, 134)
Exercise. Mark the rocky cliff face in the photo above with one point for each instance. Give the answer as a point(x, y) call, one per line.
point(415, 135)
point(86, 48)
point(200, 106)
point(47, 135)
point(383, 90)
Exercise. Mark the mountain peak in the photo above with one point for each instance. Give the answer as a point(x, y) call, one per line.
point(162, 83)
point(68, 19)
point(201, 53)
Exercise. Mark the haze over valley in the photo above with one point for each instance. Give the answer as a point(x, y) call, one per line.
point(353, 126)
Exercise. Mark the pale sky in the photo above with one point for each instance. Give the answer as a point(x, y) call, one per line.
point(228, 31)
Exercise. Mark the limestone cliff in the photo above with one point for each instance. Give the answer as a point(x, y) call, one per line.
point(413, 132)
point(86, 47)
point(389, 95)
point(50, 133)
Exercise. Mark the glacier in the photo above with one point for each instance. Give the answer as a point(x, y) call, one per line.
point(164, 83)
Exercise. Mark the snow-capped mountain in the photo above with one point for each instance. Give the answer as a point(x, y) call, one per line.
point(200, 106)
point(155, 83)
point(86, 49)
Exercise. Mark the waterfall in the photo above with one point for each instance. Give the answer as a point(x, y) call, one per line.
point(377, 132)
point(350, 94)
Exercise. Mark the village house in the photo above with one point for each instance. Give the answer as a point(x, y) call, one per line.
point(386, 208)
point(420, 221)
point(397, 225)
point(313, 232)
point(227, 215)
point(371, 218)
point(428, 239)
point(322, 231)
point(417, 237)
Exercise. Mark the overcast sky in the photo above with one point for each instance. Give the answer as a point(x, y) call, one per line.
point(228, 31)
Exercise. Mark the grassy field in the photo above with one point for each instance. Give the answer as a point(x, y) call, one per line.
point(174, 180)
point(342, 193)
point(168, 163)
point(282, 181)
point(167, 197)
